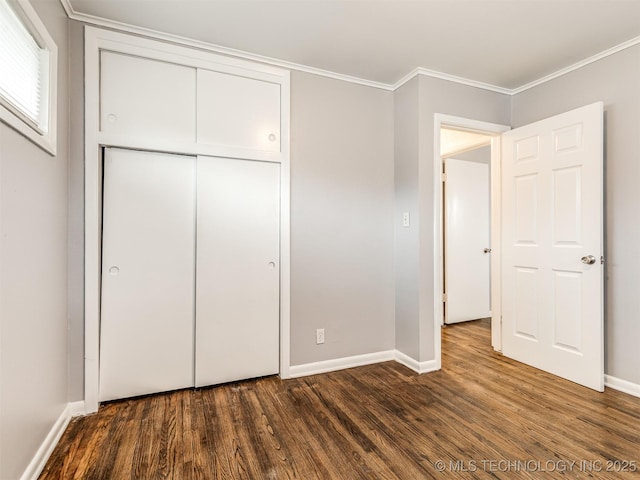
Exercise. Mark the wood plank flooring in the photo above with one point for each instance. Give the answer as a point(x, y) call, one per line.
point(481, 416)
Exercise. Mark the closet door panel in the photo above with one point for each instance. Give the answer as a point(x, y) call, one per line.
point(147, 99)
point(146, 342)
point(237, 293)
point(238, 112)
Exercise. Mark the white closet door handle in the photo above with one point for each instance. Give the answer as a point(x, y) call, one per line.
point(113, 270)
point(272, 265)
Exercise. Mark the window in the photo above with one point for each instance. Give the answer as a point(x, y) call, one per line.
point(28, 69)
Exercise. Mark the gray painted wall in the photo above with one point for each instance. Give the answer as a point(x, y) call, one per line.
point(341, 218)
point(414, 290)
point(615, 80)
point(33, 277)
point(406, 246)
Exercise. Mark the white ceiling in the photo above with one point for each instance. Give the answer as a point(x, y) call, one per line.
point(506, 43)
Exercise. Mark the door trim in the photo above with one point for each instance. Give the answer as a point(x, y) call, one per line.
point(440, 120)
point(96, 39)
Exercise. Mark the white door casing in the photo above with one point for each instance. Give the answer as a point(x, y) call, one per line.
point(552, 217)
point(466, 229)
point(146, 338)
point(238, 270)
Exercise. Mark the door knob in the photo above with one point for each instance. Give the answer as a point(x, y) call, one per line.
point(588, 259)
point(487, 250)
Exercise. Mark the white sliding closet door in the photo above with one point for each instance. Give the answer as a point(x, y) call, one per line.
point(237, 293)
point(146, 338)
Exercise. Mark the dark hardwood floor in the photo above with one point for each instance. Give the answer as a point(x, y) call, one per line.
point(481, 416)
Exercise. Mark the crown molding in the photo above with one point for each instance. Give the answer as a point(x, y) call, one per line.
point(184, 41)
point(578, 65)
point(450, 78)
point(67, 8)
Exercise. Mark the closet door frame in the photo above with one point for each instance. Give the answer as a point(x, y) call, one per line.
point(97, 40)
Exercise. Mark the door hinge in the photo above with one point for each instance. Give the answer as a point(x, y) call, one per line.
point(444, 177)
point(444, 297)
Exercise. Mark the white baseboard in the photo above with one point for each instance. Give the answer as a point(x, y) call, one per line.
point(360, 360)
point(339, 364)
point(76, 409)
point(622, 385)
point(416, 366)
point(39, 460)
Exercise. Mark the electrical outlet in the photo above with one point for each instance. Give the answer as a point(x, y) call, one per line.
point(319, 336)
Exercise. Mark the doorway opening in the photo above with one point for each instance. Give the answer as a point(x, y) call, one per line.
point(546, 231)
point(477, 134)
point(466, 204)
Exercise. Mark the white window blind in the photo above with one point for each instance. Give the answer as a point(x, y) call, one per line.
point(24, 67)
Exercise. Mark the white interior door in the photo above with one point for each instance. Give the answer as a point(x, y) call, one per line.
point(552, 230)
point(237, 293)
point(146, 331)
point(467, 235)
